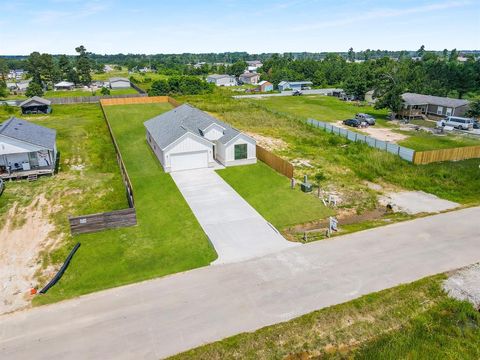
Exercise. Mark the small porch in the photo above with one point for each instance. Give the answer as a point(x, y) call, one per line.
point(411, 112)
point(37, 109)
point(22, 174)
point(20, 165)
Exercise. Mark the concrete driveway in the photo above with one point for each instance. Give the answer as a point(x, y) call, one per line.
point(157, 318)
point(237, 231)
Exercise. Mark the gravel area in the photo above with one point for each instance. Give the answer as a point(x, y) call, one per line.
point(464, 285)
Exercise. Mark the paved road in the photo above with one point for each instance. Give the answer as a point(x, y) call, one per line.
point(161, 317)
point(237, 231)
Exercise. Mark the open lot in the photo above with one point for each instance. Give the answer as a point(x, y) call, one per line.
point(81, 92)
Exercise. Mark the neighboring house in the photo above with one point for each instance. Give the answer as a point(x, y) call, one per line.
point(107, 68)
point(23, 85)
point(11, 86)
point(188, 138)
point(199, 65)
point(249, 78)
point(119, 83)
point(294, 85)
point(64, 85)
point(265, 86)
point(253, 66)
point(222, 80)
point(16, 74)
point(26, 148)
point(419, 104)
point(36, 105)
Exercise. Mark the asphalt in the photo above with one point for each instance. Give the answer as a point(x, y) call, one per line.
point(161, 317)
point(236, 230)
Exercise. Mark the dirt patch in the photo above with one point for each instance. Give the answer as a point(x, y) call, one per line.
point(20, 246)
point(383, 134)
point(416, 202)
point(268, 143)
point(464, 285)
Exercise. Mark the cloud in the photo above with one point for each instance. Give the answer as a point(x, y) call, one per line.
point(383, 14)
point(86, 9)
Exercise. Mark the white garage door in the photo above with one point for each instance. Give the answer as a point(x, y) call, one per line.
point(190, 160)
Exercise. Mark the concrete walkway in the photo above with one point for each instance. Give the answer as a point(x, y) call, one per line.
point(237, 231)
point(158, 318)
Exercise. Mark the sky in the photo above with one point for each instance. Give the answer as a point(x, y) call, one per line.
point(255, 26)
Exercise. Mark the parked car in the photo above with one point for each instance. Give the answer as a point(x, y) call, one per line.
point(352, 122)
point(459, 122)
point(297, 93)
point(476, 124)
point(369, 119)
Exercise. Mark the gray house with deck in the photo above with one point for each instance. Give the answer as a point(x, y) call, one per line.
point(418, 105)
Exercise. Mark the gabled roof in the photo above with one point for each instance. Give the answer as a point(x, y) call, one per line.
point(35, 99)
point(263, 82)
point(28, 132)
point(249, 75)
point(170, 126)
point(64, 84)
point(114, 79)
point(217, 76)
point(420, 99)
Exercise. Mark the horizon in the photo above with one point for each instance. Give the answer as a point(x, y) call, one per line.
point(117, 27)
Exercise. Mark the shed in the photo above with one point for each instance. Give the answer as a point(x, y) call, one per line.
point(119, 83)
point(36, 105)
point(265, 86)
point(187, 138)
point(64, 85)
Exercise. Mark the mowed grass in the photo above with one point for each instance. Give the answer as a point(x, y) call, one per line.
point(422, 141)
point(81, 92)
point(167, 239)
point(414, 321)
point(270, 194)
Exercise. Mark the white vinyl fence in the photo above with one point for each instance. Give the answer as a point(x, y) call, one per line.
point(403, 152)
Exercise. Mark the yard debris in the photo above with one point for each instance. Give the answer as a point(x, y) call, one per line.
point(268, 143)
point(464, 285)
point(301, 163)
point(416, 202)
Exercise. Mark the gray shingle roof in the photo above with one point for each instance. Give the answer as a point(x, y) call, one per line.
point(217, 76)
point(170, 126)
point(36, 99)
point(114, 79)
point(420, 99)
point(31, 133)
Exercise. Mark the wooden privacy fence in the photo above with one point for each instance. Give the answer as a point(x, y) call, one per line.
point(90, 99)
point(140, 100)
point(102, 221)
point(275, 162)
point(455, 154)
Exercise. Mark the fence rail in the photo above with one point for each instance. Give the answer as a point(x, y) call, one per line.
point(90, 99)
point(97, 222)
point(139, 100)
point(277, 163)
point(403, 152)
point(455, 154)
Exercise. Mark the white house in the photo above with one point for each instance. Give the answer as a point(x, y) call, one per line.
point(64, 85)
point(222, 80)
point(119, 83)
point(26, 147)
point(253, 66)
point(187, 138)
point(294, 85)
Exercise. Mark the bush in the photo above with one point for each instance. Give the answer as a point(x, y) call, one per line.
point(180, 85)
point(34, 89)
point(105, 91)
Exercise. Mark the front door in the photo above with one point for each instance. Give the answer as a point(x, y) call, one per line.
point(33, 159)
point(449, 112)
point(440, 110)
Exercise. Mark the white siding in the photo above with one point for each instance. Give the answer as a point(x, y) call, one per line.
point(12, 146)
point(188, 143)
point(120, 84)
point(230, 151)
point(215, 132)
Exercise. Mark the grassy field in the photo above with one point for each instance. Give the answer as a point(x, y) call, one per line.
point(414, 321)
point(347, 165)
point(113, 73)
point(167, 239)
point(79, 92)
point(270, 194)
point(145, 80)
point(423, 141)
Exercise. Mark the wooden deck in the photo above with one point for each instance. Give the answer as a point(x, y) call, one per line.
point(22, 174)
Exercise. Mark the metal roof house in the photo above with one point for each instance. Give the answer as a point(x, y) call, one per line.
point(64, 85)
point(119, 83)
point(187, 138)
point(417, 105)
point(26, 149)
point(222, 80)
point(36, 105)
point(293, 85)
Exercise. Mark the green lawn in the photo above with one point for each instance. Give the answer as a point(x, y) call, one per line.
point(113, 73)
point(145, 80)
point(270, 194)
point(422, 141)
point(167, 239)
point(79, 92)
point(320, 107)
point(414, 321)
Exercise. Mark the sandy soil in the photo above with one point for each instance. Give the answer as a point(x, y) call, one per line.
point(384, 134)
point(20, 247)
point(268, 143)
point(416, 202)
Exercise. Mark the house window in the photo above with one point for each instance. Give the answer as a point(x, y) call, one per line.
point(240, 151)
